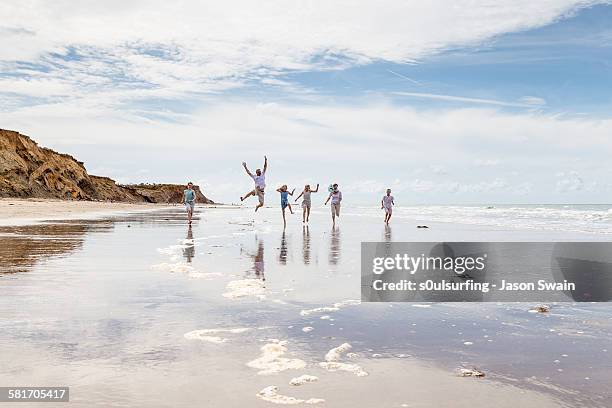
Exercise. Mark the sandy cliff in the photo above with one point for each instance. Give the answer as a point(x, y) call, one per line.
point(28, 170)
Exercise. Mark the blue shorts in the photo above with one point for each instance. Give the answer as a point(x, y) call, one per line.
point(284, 204)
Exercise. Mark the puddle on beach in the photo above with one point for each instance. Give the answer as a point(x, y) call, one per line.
point(140, 310)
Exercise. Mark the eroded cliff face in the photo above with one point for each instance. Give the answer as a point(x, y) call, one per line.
point(28, 170)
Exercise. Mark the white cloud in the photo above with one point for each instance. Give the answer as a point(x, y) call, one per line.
point(115, 51)
point(93, 74)
point(320, 142)
point(463, 99)
point(533, 100)
point(487, 162)
point(569, 182)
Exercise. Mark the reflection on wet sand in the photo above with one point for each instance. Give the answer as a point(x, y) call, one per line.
point(258, 260)
point(21, 247)
point(306, 244)
point(189, 249)
point(334, 246)
point(388, 236)
point(116, 336)
point(387, 240)
point(282, 256)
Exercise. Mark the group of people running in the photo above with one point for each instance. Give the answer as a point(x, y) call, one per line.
point(259, 178)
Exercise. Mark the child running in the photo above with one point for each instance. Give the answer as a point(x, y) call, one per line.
point(283, 190)
point(336, 197)
point(189, 198)
point(306, 203)
point(387, 204)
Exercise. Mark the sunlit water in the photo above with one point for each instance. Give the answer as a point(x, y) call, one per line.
point(104, 306)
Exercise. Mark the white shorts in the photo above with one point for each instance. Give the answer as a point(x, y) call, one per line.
point(388, 210)
point(335, 209)
point(189, 206)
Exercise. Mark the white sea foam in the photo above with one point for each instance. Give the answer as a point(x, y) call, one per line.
point(204, 334)
point(307, 329)
point(245, 287)
point(303, 379)
point(576, 218)
point(338, 366)
point(168, 250)
point(331, 362)
point(209, 339)
point(271, 360)
point(270, 394)
point(204, 275)
point(318, 310)
point(334, 308)
point(178, 267)
point(335, 354)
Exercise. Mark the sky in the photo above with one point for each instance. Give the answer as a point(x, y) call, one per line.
point(463, 102)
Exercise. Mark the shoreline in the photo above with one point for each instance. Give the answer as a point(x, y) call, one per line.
point(20, 211)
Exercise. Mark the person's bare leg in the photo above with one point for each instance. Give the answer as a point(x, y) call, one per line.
point(389, 218)
point(284, 220)
point(258, 206)
point(307, 214)
point(290, 210)
point(250, 193)
point(189, 214)
point(304, 215)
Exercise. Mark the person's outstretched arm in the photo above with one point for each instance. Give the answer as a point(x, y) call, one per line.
point(328, 197)
point(265, 164)
point(382, 204)
point(292, 191)
point(316, 190)
point(247, 169)
point(298, 197)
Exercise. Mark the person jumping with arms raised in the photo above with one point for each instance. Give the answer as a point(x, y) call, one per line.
point(260, 183)
point(284, 193)
point(306, 202)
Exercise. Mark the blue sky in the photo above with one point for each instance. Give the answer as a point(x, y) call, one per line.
point(504, 102)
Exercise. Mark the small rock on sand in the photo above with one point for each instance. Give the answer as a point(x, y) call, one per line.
point(541, 309)
point(471, 372)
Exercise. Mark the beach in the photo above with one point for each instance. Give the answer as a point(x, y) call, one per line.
point(139, 309)
point(26, 211)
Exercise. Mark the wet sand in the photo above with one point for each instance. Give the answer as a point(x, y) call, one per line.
point(140, 310)
point(27, 211)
